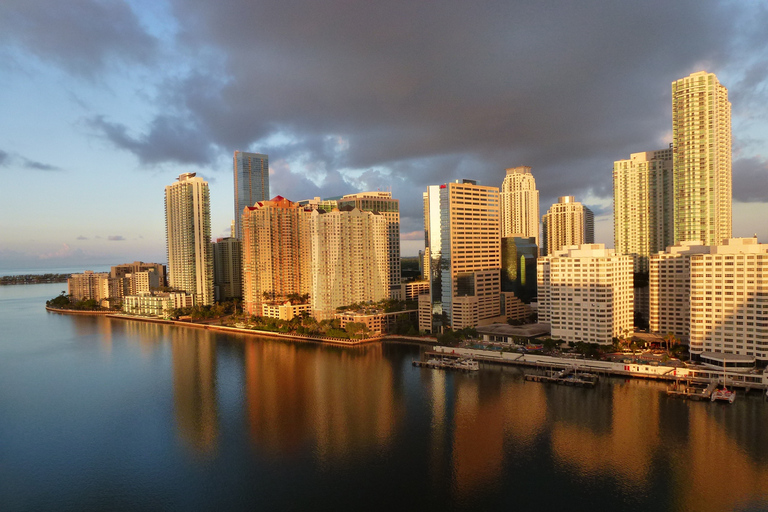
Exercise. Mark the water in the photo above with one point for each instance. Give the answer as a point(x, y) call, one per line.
point(99, 414)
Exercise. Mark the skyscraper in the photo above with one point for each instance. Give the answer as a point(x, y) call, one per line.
point(251, 183)
point(462, 221)
point(349, 259)
point(275, 253)
point(519, 204)
point(227, 269)
point(701, 135)
point(383, 203)
point(643, 206)
point(567, 222)
point(188, 237)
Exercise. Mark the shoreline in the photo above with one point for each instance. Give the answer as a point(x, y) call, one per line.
point(237, 330)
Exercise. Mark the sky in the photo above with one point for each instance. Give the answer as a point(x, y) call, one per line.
point(104, 103)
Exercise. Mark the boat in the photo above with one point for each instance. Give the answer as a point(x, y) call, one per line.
point(724, 394)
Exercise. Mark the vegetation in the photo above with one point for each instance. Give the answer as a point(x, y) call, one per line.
point(34, 279)
point(452, 338)
point(64, 301)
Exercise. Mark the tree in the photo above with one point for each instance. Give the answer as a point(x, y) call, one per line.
point(670, 341)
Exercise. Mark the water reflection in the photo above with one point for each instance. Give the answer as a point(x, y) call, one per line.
point(335, 402)
point(194, 389)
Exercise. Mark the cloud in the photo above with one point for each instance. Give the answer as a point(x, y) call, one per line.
point(750, 180)
point(168, 139)
point(81, 237)
point(31, 164)
point(7, 159)
point(82, 37)
point(413, 235)
point(63, 252)
point(115, 238)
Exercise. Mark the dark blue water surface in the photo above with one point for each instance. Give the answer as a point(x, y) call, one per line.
point(100, 414)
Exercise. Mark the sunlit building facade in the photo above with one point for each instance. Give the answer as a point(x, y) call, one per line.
point(462, 224)
point(701, 135)
point(519, 204)
point(382, 203)
point(349, 259)
point(585, 294)
point(567, 223)
point(643, 205)
point(275, 253)
point(188, 237)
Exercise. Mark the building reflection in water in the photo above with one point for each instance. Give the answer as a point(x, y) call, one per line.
point(621, 442)
point(334, 401)
point(712, 470)
point(194, 388)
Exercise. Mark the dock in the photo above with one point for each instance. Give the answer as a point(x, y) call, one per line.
point(464, 364)
point(692, 392)
point(566, 377)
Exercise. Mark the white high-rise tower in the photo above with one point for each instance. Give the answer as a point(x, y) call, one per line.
point(701, 135)
point(188, 237)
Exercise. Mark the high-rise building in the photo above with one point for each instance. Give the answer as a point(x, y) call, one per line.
point(188, 237)
point(585, 294)
point(227, 269)
point(251, 183)
point(349, 261)
point(519, 204)
point(669, 289)
point(643, 205)
point(518, 267)
point(124, 269)
point(701, 137)
point(275, 253)
point(383, 203)
point(713, 297)
point(462, 229)
point(567, 223)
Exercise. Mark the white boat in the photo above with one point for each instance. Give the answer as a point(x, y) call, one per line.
point(724, 394)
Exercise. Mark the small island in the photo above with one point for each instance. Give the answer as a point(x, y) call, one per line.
point(34, 279)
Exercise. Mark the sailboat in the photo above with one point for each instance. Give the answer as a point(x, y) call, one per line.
point(725, 393)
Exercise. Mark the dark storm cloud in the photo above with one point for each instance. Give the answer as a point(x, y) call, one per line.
point(81, 36)
point(351, 95)
point(564, 87)
point(81, 237)
point(750, 180)
point(3, 157)
point(169, 138)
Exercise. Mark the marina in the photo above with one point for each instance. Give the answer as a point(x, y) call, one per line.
point(566, 377)
point(464, 364)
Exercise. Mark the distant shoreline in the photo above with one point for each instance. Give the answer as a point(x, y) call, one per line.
point(33, 279)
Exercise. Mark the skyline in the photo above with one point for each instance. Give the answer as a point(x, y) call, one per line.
point(104, 106)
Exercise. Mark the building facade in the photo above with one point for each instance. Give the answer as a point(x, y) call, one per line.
point(701, 137)
point(188, 238)
point(669, 290)
point(124, 269)
point(567, 223)
point(643, 205)
point(462, 225)
point(87, 286)
point(349, 259)
point(729, 299)
point(251, 183)
point(384, 204)
point(585, 294)
point(227, 269)
point(518, 267)
point(275, 253)
point(519, 204)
